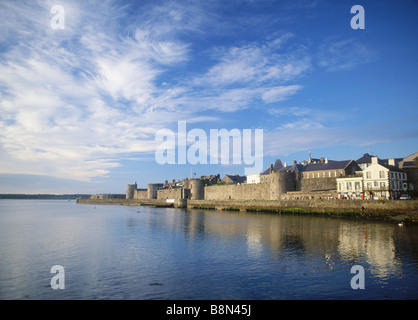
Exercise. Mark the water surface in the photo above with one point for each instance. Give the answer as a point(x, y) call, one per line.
point(116, 252)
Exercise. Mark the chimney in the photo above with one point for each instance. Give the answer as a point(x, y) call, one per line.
point(326, 160)
point(374, 160)
point(285, 164)
point(271, 168)
point(391, 162)
point(321, 160)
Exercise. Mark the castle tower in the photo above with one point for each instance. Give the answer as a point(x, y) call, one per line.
point(197, 189)
point(130, 190)
point(152, 191)
point(280, 183)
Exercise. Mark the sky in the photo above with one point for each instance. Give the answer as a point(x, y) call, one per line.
point(85, 88)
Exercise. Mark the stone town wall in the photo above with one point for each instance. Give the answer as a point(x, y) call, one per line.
point(359, 207)
point(140, 194)
point(176, 193)
point(260, 191)
point(312, 184)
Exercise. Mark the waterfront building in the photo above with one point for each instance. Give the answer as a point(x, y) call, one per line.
point(384, 181)
point(409, 164)
point(350, 187)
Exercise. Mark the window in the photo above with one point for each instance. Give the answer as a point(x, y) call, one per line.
point(323, 174)
point(357, 186)
point(339, 186)
point(382, 186)
point(335, 173)
point(369, 185)
point(376, 184)
point(368, 175)
point(381, 174)
point(348, 185)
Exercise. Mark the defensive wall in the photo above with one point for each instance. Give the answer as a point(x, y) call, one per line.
point(364, 207)
point(314, 184)
point(391, 210)
point(177, 203)
point(238, 192)
point(277, 186)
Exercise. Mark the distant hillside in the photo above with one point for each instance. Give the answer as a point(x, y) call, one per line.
point(44, 196)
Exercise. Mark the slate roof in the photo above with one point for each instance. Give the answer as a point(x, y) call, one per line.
point(320, 166)
point(293, 167)
point(408, 164)
point(236, 178)
point(366, 158)
point(276, 167)
point(332, 165)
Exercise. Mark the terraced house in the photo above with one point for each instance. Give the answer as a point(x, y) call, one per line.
point(376, 181)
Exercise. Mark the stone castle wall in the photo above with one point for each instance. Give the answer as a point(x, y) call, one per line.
point(275, 188)
point(140, 194)
point(238, 192)
point(176, 193)
point(314, 184)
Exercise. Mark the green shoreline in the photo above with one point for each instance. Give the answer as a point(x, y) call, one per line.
point(399, 211)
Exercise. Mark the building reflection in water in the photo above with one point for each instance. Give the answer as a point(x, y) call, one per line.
point(327, 239)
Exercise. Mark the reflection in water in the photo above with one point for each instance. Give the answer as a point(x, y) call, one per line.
point(322, 238)
point(373, 243)
point(114, 252)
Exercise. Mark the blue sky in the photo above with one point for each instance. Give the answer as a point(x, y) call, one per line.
point(80, 106)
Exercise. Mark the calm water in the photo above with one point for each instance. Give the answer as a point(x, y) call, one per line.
point(114, 252)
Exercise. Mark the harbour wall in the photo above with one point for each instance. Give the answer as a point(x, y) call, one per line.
point(403, 210)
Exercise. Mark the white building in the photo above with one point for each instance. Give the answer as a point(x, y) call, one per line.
point(253, 178)
point(378, 181)
point(384, 181)
point(351, 187)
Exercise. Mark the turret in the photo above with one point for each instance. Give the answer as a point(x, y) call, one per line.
point(130, 190)
point(197, 189)
point(282, 182)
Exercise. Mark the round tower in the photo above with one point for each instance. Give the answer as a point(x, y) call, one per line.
point(197, 189)
point(280, 183)
point(152, 191)
point(130, 189)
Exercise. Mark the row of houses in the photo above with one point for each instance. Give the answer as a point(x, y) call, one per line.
point(376, 180)
point(367, 177)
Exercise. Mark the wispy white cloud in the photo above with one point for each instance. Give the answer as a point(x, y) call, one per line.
point(75, 102)
point(280, 93)
point(291, 111)
point(256, 62)
point(343, 55)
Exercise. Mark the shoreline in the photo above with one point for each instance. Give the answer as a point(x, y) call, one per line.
point(395, 211)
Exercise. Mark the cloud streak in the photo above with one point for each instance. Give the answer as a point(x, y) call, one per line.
point(75, 103)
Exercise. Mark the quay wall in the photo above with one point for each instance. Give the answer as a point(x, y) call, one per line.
point(355, 208)
point(178, 203)
point(339, 207)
